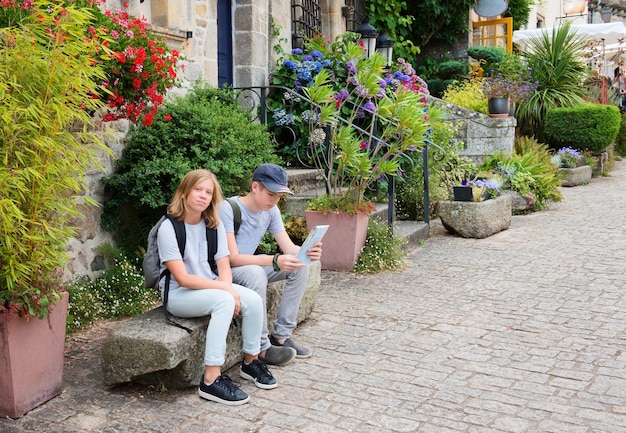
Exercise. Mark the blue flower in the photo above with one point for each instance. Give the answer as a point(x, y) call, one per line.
point(307, 58)
point(296, 51)
point(316, 54)
point(289, 64)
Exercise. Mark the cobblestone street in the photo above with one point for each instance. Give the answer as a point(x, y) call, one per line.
point(523, 331)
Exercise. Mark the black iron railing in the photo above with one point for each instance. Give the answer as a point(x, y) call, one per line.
point(255, 99)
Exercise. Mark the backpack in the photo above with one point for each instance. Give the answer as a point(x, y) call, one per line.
point(236, 214)
point(151, 261)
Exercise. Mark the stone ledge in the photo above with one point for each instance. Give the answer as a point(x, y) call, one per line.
point(146, 349)
point(576, 176)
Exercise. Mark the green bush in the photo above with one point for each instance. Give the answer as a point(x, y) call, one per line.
point(452, 69)
point(467, 94)
point(590, 127)
point(382, 251)
point(446, 169)
point(488, 55)
point(529, 171)
point(207, 128)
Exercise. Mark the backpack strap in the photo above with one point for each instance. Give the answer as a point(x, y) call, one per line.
point(181, 239)
point(211, 240)
point(236, 214)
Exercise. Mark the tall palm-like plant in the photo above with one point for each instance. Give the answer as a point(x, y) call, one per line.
point(557, 64)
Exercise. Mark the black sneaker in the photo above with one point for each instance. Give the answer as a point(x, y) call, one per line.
point(223, 390)
point(301, 351)
point(278, 355)
point(258, 373)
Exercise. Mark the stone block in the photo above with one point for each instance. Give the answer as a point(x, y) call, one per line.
point(476, 219)
point(146, 349)
point(576, 176)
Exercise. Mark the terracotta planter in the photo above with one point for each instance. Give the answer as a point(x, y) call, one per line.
point(344, 240)
point(31, 360)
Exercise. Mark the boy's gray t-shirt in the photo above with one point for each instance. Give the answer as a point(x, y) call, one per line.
point(196, 257)
point(253, 225)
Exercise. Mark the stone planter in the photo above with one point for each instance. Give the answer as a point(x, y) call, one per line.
point(575, 176)
point(477, 219)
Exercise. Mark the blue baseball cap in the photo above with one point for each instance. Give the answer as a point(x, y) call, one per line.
point(273, 177)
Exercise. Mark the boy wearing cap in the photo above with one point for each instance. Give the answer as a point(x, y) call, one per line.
point(259, 214)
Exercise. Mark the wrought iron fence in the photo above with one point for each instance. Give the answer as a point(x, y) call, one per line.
point(256, 100)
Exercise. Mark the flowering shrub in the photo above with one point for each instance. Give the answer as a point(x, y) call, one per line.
point(566, 157)
point(139, 66)
point(515, 88)
point(362, 119)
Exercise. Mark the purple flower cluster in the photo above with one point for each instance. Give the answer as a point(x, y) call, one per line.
point(516, 88)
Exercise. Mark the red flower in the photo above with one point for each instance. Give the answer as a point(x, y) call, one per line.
point(167, 117)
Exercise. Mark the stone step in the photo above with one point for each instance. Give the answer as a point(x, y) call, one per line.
point(303, 180)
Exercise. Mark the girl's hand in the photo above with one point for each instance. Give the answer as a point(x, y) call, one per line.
point(235, 295)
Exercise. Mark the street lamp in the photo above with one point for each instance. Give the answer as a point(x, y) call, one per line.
point(605, 13)
point(368, 35)
point(384, 45)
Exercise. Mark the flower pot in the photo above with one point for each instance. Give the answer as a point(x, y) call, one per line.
point(498, 107)
point(344, 240)
point(462, 193)
point(476, 219)
point(31, 360)
point(575, 176)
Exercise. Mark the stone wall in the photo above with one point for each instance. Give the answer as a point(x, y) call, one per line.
point(480, 134)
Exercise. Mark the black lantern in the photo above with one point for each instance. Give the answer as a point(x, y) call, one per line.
point(384, 45)
point(368, 35)
point(605, 13)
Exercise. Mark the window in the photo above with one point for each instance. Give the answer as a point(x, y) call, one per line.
point(306, 20)
point(494, 33)
point(356, 14)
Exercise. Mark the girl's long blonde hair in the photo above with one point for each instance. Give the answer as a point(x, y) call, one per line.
point(178, 207)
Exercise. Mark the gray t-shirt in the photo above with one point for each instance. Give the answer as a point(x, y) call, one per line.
point(196, 258)
point(253, 225)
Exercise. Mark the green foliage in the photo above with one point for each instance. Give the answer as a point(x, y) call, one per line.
point(486, 56)
point(556, 62)
point(207, 128)
point(445, 169)
point(468, 94)
point(383, 251)
point(453, 69)
point(520, 11)
point(391, 17)
point(590, 127)
point(439, 20)
point(46, 75)
point(296, 228)
point(529, 171)
point(118, 293)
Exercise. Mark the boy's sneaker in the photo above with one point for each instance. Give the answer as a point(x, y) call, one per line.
point(301, 351)
point(278, 355)
point(224, 391)
point(258, 373)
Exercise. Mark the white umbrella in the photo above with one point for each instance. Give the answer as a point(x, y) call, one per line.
point(611, 33)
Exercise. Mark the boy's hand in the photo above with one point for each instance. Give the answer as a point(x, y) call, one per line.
point(315, 252)
point(289, 262)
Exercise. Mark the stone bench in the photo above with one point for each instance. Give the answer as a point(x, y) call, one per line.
point(146, 349)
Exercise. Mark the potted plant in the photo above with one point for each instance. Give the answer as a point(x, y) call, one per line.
point(46, 76)
point(362, 119)
point(571, 169)
point(503, 90)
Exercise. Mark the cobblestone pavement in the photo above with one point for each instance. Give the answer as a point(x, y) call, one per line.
point(523, 331)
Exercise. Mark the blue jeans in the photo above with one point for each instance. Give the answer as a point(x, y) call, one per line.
point(220, 305)
point(256, 278)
